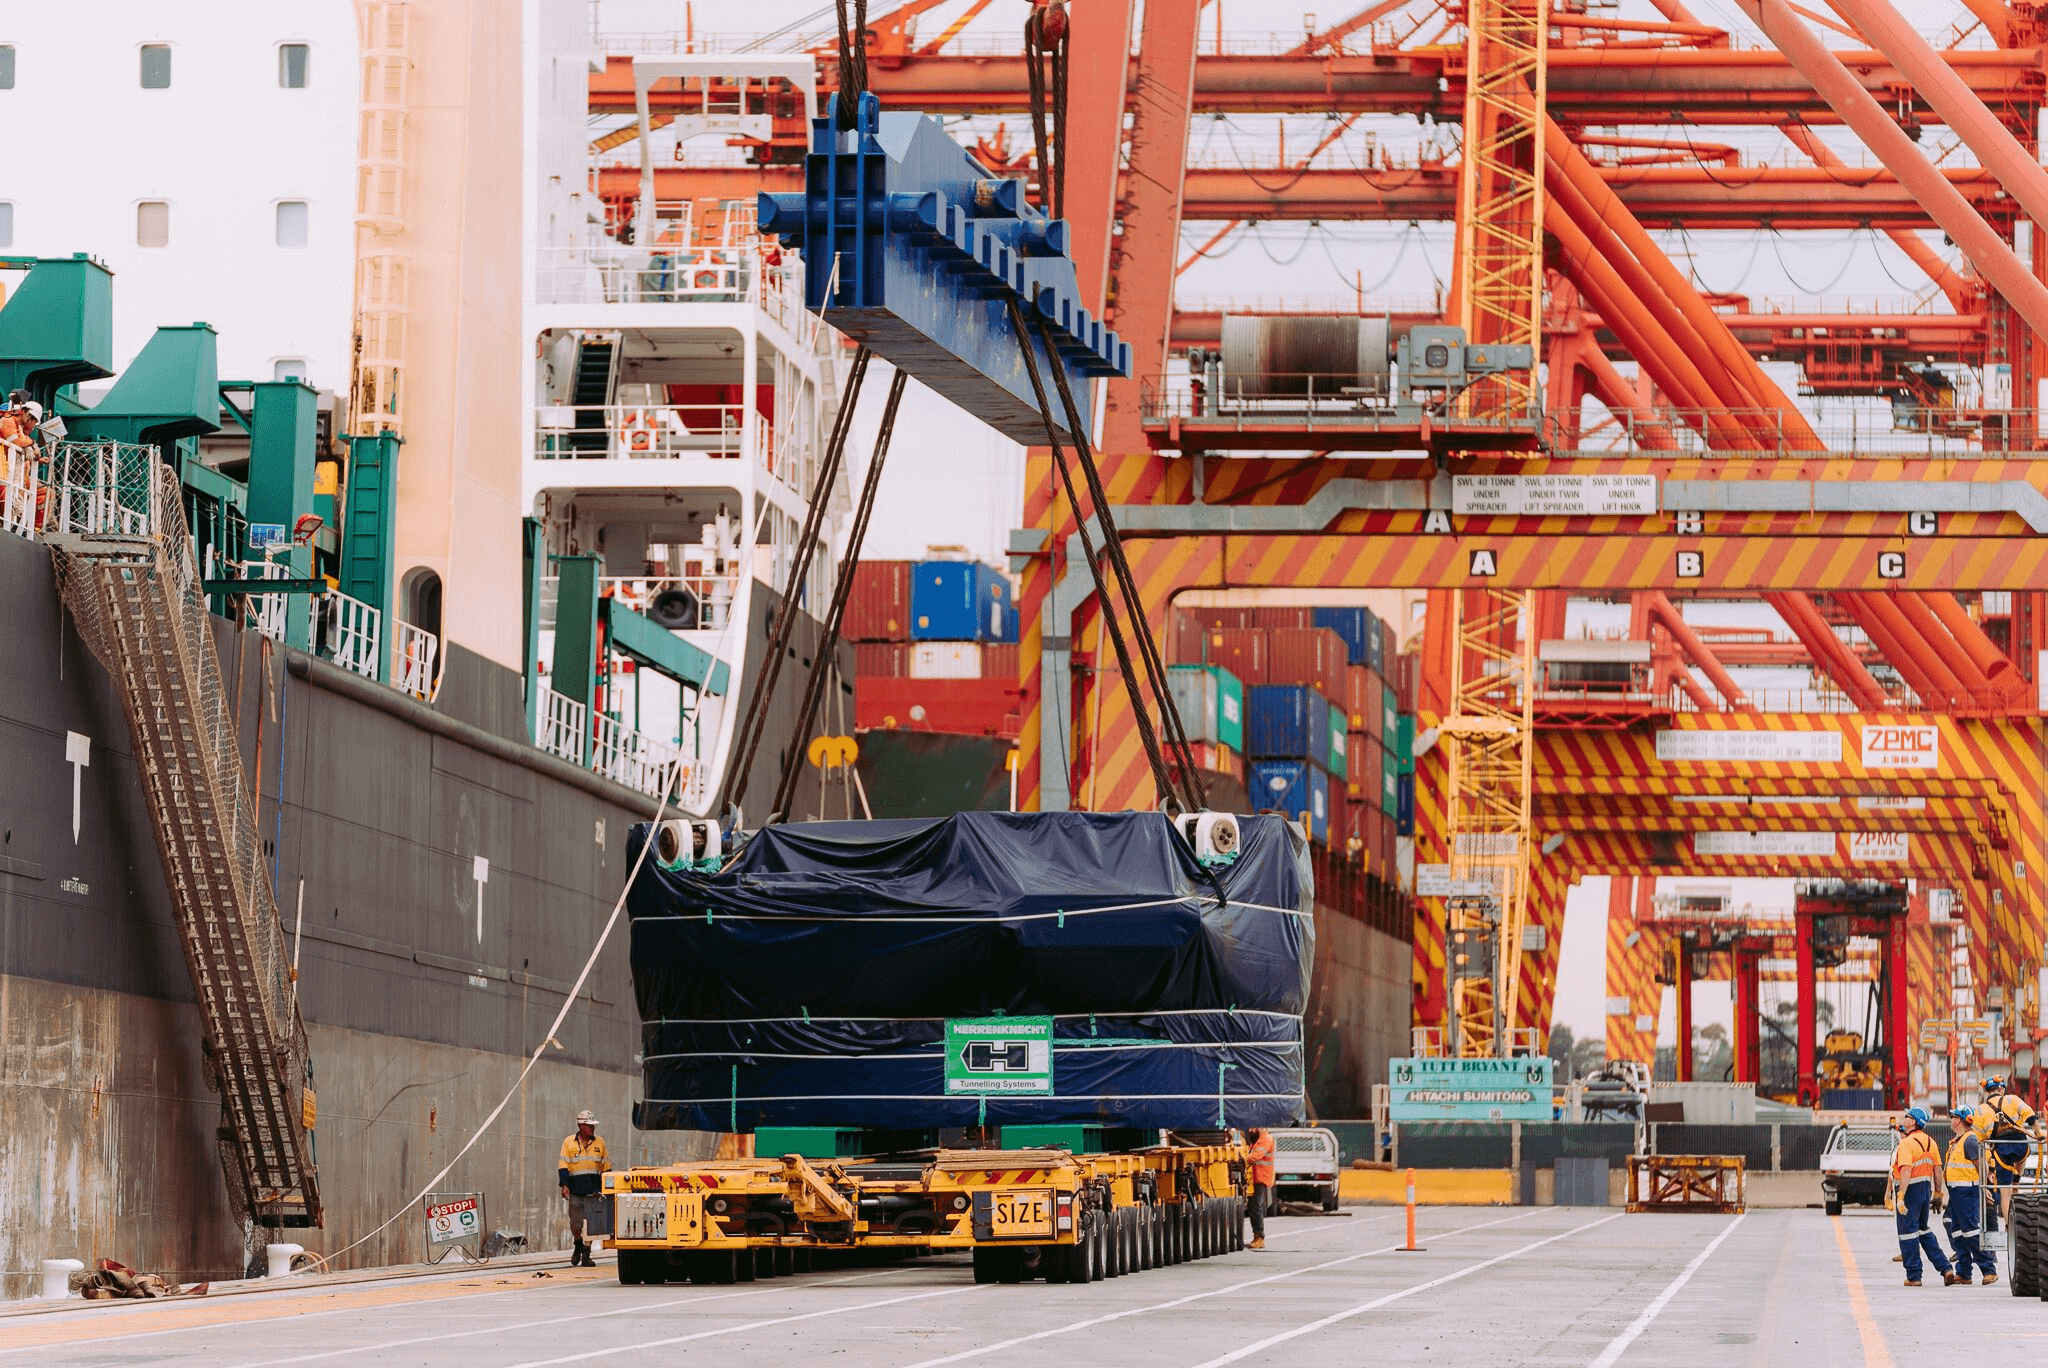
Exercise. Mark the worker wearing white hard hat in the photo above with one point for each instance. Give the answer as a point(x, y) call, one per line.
point(584, 1163)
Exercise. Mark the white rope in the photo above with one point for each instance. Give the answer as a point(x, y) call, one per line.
point(547, 1037)
point(1058, 1047)
point(867, 919)
point(1056, 1016)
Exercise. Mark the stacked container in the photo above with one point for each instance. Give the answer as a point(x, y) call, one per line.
point(935, 648)
point(1210, 700)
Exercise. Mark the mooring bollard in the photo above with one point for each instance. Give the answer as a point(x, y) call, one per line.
point(57, 1277)
point(280, 1257)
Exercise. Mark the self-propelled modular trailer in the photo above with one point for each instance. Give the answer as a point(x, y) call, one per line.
point(1037, 1036)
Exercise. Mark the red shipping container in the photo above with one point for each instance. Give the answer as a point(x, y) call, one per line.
point(1227, 619)
point(1356, 760)
point(1242, 652)
point(999, 661)
point(1357, 686)
point(878, 609)
point(1278, 618)
point(880, 659)
point(976, 707)
point(1374, 721)
point(1312, 656)
point(1187, 639)
point(1406, 682)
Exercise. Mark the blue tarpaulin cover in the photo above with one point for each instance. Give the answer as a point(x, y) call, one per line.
point(809, 982)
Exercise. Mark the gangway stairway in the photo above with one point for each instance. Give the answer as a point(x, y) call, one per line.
point(126, 570)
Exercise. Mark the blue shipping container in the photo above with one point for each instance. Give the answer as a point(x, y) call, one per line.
point(1294, 787)
point(1286, 722)
point(1355, 625)
point(960, 601)
point(1404, 805)
point(1377, 653)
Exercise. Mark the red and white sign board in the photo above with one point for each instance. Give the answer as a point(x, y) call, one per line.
point(459, 1219)
point(1896, 746)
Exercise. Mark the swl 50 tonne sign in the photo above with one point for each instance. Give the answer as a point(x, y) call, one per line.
point(1902, 747)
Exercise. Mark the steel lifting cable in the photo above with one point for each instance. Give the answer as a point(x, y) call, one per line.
point(1161, 774)
point(1148, 643)
point(1046, 36)
point(754, 721)
point(828, 642)
point(853, 59)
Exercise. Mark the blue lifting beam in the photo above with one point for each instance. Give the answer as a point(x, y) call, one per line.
point(916, 250)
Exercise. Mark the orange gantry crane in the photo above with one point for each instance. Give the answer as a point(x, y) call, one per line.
point(1698, 475)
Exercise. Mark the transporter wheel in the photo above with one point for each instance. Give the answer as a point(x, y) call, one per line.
point(1113, 1245)
point(633, 1266)
point(1237, 1220)
point(1080, 1255)
point(1100, 1267)
point(744, 1269)
point(1834, 1208)
point(785, 1263)
point(1052, 1263)
point(2023, 1242)
point(1169, 1234)
point(1331, 1198)
point(1134, 1262)
point(1198, 1230)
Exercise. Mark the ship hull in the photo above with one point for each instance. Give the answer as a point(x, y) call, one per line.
point(423, 984)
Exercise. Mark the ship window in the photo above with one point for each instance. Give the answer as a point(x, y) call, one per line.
point(6, 66)
point(291, 223)
point(291, 65)
point(6, 224)
point(156, 66)
point(153, 223)
point(289, 368)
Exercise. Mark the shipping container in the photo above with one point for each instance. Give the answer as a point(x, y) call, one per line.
point(1282, 617)
point(880, 659)
point(1294, 787)
point(945, 660)
point(1390, 715)
point(960, 601)
point(1338, 762)
point(1389, 840)
point(1403, 749)
point(1211, 703)
point(1410, 669)
point(1286, 722)
point(1356, 764)
point(1357, 696)
point(1240, 650)
point(1390, 784)
point(1353, 625)
point(999, 661)
point(1309, 656)
point(1404, 805)
point(1373, 714)
point(976, 707)
point(1187, 639)
point(1377, 654)
point(1222, 759)
point(1346, 831)
point(878, 609)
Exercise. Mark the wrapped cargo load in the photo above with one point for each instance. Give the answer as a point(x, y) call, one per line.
point(812, 981)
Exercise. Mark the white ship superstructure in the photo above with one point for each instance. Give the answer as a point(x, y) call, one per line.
point(681, 398)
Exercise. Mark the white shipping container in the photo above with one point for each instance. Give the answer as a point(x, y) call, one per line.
point(1194, 695)
point(1711, 1104)
point(945, 660)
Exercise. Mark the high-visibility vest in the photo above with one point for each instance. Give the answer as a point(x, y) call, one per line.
point(1915, 1160)
point(1261, 1157)
point(1962, 1168)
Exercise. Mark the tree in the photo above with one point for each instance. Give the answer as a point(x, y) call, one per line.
point(1713, 1055)
point(1586, 1056)
point(1561, 1046)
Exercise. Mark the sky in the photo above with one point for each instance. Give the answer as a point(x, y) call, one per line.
point(952, 481)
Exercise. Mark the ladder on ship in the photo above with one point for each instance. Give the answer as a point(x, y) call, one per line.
point(126, 569)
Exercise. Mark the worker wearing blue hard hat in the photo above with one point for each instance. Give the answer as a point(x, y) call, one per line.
point(1917, 1176)
point(2007, 1126)
point(1963, 1171)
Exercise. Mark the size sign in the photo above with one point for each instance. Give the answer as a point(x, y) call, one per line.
point(263, 536)
point(458, 1219)
point(1007, 1055)
point(1554, 496)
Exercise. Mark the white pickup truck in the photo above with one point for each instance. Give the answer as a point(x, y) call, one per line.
point(1305, 1165)
point(1856, 1165)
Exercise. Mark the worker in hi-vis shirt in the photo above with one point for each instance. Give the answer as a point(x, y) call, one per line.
point(584, 1164)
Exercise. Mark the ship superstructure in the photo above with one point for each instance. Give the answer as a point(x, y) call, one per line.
point(681, 401)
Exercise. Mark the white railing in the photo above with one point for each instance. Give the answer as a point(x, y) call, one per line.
point(629, 757)
point(564, 724)
point(714, 595)
point(418, 654)
point(18, 508)
point(354, 633)
point(637, 432)
point(660, 273)
point(267, 611)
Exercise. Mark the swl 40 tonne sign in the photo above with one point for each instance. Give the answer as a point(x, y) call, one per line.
point(1902, 747)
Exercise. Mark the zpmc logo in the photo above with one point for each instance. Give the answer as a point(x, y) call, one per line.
point(1902, 747)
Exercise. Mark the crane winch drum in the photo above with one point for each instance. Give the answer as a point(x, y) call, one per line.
point(1301, 356)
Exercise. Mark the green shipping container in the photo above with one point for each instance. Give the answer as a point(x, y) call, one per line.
point(1211, 703)
point(1390, 716)
point(1390, 786)
point(1338, 764)
point(1404, 744)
